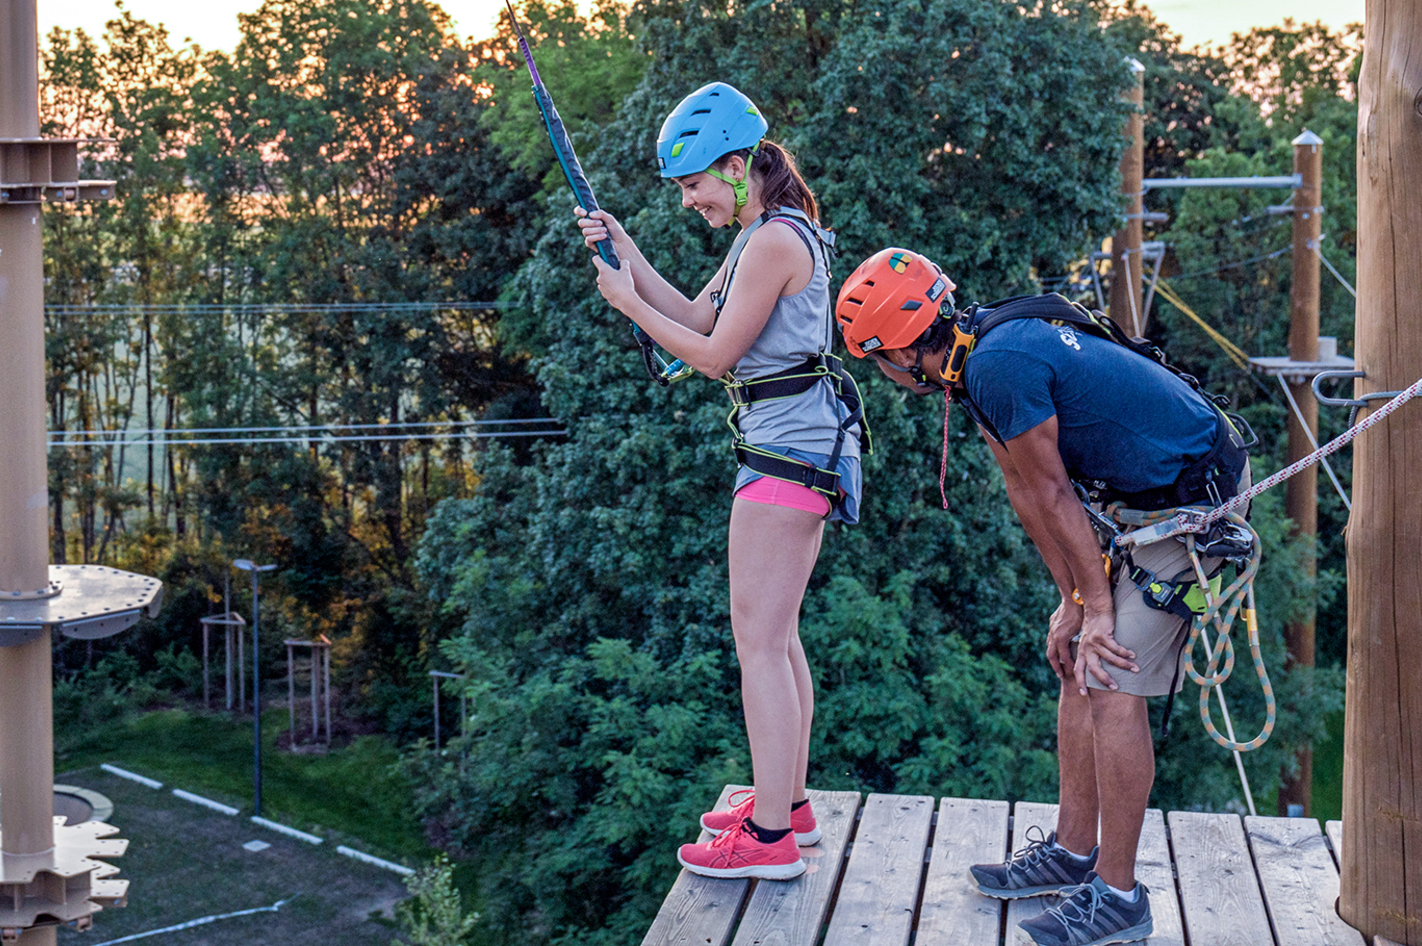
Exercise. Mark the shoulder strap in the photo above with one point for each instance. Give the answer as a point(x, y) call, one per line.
point(1055, 308)
point(824, 237)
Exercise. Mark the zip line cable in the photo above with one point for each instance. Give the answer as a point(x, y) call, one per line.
point(281, 308)
point(1313, 245)
point(1313, 442)
point(1235, 265)
point(1192, 520)
point(207, 441)
point(291, 429)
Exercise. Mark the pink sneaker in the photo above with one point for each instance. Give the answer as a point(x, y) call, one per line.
point(802, 819)
point(736, 853)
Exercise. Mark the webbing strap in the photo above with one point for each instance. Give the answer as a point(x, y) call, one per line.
point(766, 463)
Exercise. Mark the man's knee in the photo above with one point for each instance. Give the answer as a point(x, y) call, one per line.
point(1115, 712)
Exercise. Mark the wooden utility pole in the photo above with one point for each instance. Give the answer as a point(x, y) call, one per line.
point(1301, 503)
point(1380, 890)
point(1126, 262)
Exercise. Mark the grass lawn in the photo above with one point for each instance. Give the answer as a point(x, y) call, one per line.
point(185, 862)
point(351, 795)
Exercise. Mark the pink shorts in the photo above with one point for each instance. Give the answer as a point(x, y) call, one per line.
point(773, 492)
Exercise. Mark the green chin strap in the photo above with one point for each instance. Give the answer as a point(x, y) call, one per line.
point(740, 187)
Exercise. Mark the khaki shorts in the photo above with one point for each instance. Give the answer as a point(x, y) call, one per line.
point(1156, 637)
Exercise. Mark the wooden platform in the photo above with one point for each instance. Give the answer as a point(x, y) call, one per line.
point(891, 870)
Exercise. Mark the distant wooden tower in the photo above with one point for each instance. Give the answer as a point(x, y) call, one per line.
point(1381, 882)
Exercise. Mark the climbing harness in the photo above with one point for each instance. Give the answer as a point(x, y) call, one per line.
point(792, 382)
point(1199, 598)
point(662, 372)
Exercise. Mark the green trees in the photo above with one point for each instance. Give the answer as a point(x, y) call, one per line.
point(589, 578)
point(309, 205)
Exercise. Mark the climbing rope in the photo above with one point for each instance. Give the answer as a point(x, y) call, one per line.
point(1184, 521)
point(1220, 612)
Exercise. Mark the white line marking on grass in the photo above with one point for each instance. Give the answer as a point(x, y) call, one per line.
point(255, 847)
point(289, 832)
point(205, 802)
point(131, 776)
point(370, 859)
point(201, 921)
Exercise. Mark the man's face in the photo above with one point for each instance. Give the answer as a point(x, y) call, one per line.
point(897, 363)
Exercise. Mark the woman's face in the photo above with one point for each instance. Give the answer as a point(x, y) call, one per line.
point(711, 197)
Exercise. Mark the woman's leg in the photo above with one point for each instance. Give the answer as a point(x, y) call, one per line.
point(772, 551)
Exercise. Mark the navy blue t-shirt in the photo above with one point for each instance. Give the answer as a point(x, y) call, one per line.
point(1121, 418)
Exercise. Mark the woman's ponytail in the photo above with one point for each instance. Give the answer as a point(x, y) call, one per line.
point(780, 182)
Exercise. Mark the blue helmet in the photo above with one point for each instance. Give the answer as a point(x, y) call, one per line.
point(713, 121)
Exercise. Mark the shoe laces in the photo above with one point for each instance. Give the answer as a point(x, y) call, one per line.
point(1036, 849)
point(1084, 912)
point(727, 838)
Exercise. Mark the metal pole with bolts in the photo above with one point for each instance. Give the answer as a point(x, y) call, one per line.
point(46, 871)
point(246, 565)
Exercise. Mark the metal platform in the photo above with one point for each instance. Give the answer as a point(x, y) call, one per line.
point(84, 601)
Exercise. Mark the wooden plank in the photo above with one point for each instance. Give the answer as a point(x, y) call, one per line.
point(1300, 882)
point(1219, 893)
point(1024, 815)
point(790, 913)
point(700, 910)
point(1334, 831)
point(880, 887)
point(954, 913)
point(1153, 869)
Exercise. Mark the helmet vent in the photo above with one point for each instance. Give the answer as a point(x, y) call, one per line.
point(911, 305)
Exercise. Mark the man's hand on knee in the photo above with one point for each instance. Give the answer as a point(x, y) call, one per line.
point(1097, 645)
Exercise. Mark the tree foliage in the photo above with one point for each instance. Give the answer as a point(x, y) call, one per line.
point(298, 215)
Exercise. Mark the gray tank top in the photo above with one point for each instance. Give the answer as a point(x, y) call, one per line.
point(799, 327)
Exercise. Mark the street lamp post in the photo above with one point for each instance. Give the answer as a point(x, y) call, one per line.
point(247, 565)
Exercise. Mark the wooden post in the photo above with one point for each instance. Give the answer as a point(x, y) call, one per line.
point(1301, 502)
point(291, 693)
point(1380, 888)
point(1126, 261)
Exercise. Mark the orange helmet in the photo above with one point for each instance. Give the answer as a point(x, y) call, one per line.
point(890, 300)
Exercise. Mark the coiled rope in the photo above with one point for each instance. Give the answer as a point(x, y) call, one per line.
point(1220, 612)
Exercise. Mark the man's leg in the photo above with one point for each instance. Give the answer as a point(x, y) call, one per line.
point(1125, 771)
point(1076, 763)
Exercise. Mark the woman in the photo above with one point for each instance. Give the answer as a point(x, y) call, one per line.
point(762, 325)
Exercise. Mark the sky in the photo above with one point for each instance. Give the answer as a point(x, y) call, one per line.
point(212, 24)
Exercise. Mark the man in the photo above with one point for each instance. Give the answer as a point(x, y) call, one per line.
point(1060, 404)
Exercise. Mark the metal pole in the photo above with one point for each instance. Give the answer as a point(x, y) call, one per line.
point(241, 670)
point(26, 708)
point(1301, 501)
point(227, 633)
point(328, 694)
point(291, 692)
point(1126, 261)
point(256, 702)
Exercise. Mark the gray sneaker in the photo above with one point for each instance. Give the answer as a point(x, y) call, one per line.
point(1091, 915)
point(1039, 868)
